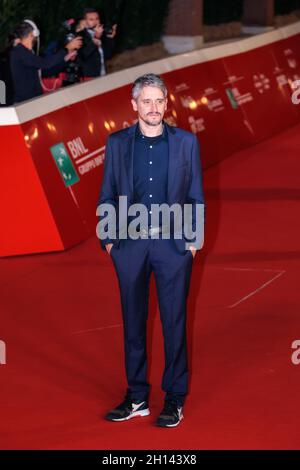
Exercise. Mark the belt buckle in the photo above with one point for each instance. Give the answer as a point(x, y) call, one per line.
point(154, 230)
point(144, 233)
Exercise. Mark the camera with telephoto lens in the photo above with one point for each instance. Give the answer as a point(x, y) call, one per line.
point(108, 29)
point(72, 68)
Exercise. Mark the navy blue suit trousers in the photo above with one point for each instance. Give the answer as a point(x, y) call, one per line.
point(134, 261)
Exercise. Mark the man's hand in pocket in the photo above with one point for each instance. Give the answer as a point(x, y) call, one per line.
point(108, 247)
point(193, 250)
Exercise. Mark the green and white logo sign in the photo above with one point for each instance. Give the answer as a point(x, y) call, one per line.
point(231, 98)
point(64, 164)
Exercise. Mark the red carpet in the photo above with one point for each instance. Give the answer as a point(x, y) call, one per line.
point(61, 321)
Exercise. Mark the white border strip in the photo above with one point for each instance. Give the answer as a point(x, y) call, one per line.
point(8, 116)
point(73, 94)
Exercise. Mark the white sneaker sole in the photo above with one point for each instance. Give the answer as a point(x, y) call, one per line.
point(172, 425)
point(135, 414)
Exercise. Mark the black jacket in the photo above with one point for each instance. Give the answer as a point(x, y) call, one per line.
point(25, 65)
point(89, 56)
point(5, 76)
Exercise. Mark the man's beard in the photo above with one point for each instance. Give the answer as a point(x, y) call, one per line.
point(151, 123)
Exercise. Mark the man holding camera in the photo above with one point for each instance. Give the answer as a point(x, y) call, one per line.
point(26, 65)
point(98, 43)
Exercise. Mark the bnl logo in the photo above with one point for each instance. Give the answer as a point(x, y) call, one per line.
point(2, 92)
point(2, 352)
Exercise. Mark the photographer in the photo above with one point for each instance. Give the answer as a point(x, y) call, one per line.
point(98, 44)
point(5, 72)
point(73, 28)
point(26, 65)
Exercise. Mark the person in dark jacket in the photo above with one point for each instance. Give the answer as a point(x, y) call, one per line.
point(26, 65)
point(5, 72)
point(98, 44)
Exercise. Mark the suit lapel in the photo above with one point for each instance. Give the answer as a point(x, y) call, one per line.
point(173, 154)
point(128, 155)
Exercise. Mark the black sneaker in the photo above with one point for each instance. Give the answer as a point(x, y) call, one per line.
point(171, 415)
point(129, 408)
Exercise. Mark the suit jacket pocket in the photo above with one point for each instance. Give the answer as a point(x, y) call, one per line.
point(182, 165)
point(182, 175)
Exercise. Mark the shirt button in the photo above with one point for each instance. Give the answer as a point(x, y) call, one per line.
point(150, 163)
point(150, 195)
point(151, 179)
point(151, 146)
point(150, 212)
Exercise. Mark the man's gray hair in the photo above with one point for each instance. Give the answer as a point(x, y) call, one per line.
point(149, 79)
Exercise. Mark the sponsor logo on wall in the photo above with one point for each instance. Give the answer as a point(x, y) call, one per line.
point(64, 164)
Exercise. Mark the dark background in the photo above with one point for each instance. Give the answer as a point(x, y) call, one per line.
point(141, 22)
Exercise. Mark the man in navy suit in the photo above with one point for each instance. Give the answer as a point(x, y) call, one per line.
point(152, 164)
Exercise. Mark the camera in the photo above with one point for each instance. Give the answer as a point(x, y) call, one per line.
point(108, 29)
point(72, 69)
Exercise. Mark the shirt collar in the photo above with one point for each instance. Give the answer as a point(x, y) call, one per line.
point(160, 137)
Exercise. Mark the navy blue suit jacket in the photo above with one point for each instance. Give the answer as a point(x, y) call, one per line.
point(184, 172)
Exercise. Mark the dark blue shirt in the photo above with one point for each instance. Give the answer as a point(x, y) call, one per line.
point(150, 170)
